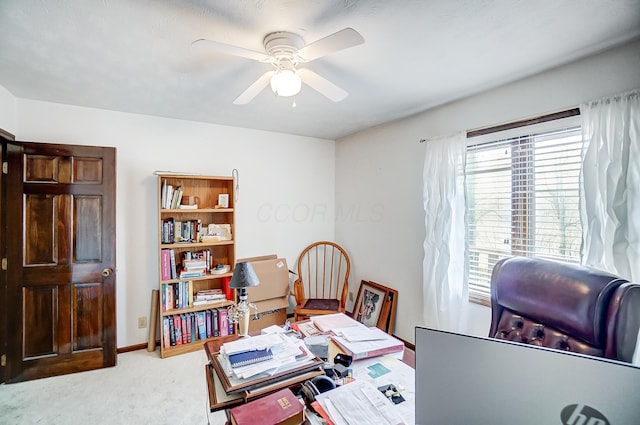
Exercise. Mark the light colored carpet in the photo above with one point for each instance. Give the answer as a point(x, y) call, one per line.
point(141, 389)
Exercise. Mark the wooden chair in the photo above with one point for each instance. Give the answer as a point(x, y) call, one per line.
point(322, 283)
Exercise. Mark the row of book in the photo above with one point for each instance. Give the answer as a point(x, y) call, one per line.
point(174, 231)
point(180, 295)
point(177, 295)
point(184, 328)
point(171, 196)
point(192, 264)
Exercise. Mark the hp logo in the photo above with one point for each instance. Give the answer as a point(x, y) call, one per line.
point(577, 414)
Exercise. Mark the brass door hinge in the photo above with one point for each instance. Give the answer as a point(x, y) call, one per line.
point(5, 168)
point(4, 264)
point(3, 360)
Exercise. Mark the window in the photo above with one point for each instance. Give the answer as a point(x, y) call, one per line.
point(523, 197)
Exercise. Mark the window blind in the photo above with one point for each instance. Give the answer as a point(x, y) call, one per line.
point(523, 197)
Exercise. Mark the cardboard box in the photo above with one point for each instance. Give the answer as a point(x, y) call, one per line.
point(271, 296)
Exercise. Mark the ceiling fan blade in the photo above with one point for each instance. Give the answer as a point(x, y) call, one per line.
point(340, 40)
point(322, 85)
point(255, 88)
point(230, 50)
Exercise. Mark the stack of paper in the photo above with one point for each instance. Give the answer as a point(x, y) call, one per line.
point(332, 322)
point(277, 352)
point(363, 342)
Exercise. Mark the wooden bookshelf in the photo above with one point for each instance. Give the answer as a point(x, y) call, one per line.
point(180, 235)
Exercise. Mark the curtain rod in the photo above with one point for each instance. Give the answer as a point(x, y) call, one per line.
point(524, 123)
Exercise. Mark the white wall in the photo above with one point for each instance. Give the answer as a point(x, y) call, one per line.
point(286, 196)
point(7, 111)
point(379, 172)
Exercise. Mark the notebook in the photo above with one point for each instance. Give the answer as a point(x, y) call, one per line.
point(250, 357)
point(463, 379)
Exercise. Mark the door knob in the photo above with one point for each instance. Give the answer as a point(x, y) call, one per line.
point(106, 272)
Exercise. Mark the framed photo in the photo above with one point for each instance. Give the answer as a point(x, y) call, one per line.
point(369, 303)
point(223, 200)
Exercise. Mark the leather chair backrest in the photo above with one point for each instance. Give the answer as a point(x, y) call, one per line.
point(564, 306)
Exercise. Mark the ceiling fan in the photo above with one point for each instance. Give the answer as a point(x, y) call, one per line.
point(286, 51)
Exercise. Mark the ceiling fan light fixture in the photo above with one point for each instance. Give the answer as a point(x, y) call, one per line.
point(286, 82)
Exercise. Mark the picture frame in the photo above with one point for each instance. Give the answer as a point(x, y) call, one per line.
point(388, 313)
point(223, 200)
point(369, 303)
point(384, 304)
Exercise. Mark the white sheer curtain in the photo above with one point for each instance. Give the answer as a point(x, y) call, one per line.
point(610, 193)
point(445, 270)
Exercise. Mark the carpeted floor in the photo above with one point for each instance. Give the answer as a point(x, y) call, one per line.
point(141, 389)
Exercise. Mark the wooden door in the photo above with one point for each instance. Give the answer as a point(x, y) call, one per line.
point(5, 137)
point(61, 283)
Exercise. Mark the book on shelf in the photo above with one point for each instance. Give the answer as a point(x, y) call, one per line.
point(168, 230)
point(202, 326)
point(177, 327)
point(208, 323)
point(184, 274)
point(211, 292)
point(177, 233)
point(177, 197)
point(189, 207)
point(172, 258)
point(232, 326)
point(185, 328)
point(208, 296)
point(165, 264)
point(194, 264)
point(170, 196)
point(197, 302)
point(193, 325)
point(223, 321)
point(177, 295)
point(166, 335)
point(172, 331)
point(174, 231)
point(167, 191)
point(215, 328)
point(246, 358)
point(163, 193)
point(279, 408)
point(170, 190)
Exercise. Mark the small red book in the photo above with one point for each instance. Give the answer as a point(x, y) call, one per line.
point(279, 408)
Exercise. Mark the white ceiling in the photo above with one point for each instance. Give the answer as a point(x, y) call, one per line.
point(136, 55)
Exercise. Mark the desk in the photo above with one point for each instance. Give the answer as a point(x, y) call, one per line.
point(378, 371)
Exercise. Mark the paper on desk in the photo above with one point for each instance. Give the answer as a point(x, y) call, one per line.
point(359, 403)
point(259, 342)
point(272, 329)
point(332, 322)
point(360, 333)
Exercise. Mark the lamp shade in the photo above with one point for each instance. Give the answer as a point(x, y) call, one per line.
point(244, 276)
point(286, 83)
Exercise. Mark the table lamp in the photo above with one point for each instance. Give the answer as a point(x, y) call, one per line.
point(243, 277)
